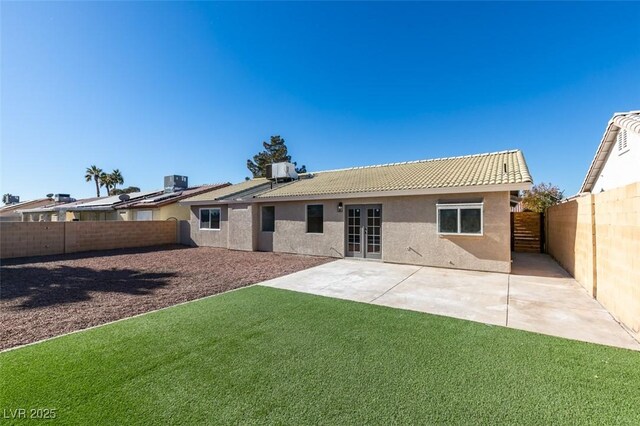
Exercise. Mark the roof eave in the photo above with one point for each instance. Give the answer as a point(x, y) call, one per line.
point(410, 192)
point(608, 138)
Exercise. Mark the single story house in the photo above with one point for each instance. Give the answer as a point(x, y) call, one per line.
point(103, 208)
point(163, 206)
point(13, 212)
point(618, 156)
point(56, 211)
point(160, 204)
point(447, 212)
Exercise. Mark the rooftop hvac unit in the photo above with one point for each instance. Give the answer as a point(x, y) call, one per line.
point(63, 198)
point(175, 183)
point(281, 172)
point(10, 199)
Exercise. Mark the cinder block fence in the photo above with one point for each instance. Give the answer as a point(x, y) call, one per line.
point(21, 239)
point(596, 238)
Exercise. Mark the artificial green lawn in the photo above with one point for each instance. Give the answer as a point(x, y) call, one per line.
point(261, 355)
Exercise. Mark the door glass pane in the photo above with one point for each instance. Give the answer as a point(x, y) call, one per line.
point(448, 220)
point(374, 222)
point(470, 221)
point(353, 230)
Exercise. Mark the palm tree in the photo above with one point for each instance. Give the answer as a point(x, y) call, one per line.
point(94, 173)
point(116, 178)
point(106, 181)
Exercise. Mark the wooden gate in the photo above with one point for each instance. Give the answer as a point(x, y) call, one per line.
point(527, 232)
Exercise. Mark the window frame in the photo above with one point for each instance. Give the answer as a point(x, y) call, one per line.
point(306, 218)
point(262, 218)
point(458, 207)
point(200, 220)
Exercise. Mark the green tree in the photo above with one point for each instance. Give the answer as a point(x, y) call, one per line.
point(116, 178)
point(275, 151)
point(94, 173)
point(110, 180)
point(105, 180)
point(541, 196)
point(127, 190)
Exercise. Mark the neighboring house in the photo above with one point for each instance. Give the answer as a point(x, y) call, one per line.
point(163, 206)
point(147, 205)
point(57, 211)
point(12, 212)
point(104, 208)
point(449, 212)
point(617, 160)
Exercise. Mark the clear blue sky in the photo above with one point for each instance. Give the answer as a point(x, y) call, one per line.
point(193, 88)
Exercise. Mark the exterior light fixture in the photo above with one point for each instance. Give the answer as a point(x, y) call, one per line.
point(340, 207)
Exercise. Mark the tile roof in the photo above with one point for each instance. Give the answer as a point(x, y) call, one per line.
point(629, 121)
point(228, 191)
point(497, 168)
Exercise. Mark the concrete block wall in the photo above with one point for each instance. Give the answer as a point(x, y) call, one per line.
point(571, 241)
point(105, 235)
point(596, 238)
point(21, 239)
point(617, 224)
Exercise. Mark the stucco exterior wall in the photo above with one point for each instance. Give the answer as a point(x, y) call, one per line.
point(209, 237)
point(409, 233)
point(174, 210)
point(620, 168)
point(241, 231)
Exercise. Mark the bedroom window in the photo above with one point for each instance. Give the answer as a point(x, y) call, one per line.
point(210, 219)
point(268, 218)
point(315, 218)
point(460, 219)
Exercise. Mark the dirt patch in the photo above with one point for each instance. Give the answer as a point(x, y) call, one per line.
point(48, 296)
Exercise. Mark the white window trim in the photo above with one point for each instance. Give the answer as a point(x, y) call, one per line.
point(460, 206)
point(200, 221)
point(306, 219)
point(274, 219)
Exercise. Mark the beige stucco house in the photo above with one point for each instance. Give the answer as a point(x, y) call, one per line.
point(448, 212)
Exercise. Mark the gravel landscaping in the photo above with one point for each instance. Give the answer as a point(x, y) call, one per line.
point(48, 296)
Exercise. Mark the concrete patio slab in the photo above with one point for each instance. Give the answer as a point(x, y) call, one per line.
point(346, 279)
point(537, 296)
point(469, 295)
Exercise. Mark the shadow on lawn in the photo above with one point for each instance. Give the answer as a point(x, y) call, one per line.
point(66, 284)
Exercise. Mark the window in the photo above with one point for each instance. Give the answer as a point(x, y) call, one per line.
point(315, 216)
point(622, 142)
point(268, 218)
point(210, 219)
point(460, 219)
point(143, 214)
